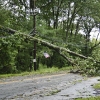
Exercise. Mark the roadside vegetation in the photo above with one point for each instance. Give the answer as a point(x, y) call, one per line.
point(91, 98)
point(42, 71)
point(97, 86)
point(58, 24)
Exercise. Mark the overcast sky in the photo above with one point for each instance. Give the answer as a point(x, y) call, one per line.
point(94, 33)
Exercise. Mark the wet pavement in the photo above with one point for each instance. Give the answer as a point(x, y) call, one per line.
point(65, 86)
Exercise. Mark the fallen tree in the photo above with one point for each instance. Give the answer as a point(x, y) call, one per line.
point(83, 63)
point(59, 49)
point(52, 46)
point(45, 43)
point(48, 44)
point(88, 67)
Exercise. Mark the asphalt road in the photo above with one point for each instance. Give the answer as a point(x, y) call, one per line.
point(46, 87)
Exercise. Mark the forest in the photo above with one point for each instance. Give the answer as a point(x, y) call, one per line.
point(51, 33)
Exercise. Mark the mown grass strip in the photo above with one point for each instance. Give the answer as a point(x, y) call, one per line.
point(40, 71)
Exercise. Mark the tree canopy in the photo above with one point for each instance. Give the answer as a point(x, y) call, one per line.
point(59, 22)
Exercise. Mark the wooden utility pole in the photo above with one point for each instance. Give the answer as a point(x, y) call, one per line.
point(34, 32)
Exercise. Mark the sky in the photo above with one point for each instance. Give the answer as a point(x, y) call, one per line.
point(94, 33)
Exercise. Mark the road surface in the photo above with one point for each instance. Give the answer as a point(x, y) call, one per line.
point(63, 86)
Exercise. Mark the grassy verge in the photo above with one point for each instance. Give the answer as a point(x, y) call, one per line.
point(91, 98)
point(42, 70)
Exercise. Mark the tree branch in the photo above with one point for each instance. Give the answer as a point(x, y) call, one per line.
point(45, 43)
point(52, 46)
point(8, 30)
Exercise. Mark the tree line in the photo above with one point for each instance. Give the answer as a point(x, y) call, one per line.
point(59, 22)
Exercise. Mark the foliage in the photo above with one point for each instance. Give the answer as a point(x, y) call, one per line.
point(59, 23)
point(97, 86)
point(42, 71)
point(88, 66)
point(90, 98)
point(9, 53)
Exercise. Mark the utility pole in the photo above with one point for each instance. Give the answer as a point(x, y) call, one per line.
point(34, 32)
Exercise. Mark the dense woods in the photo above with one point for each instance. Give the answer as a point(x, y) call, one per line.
point(58, 31)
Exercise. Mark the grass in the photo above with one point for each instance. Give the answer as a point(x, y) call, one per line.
point(42, 70)
point(97, 86)
point(90, 98)
point(12, 75)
